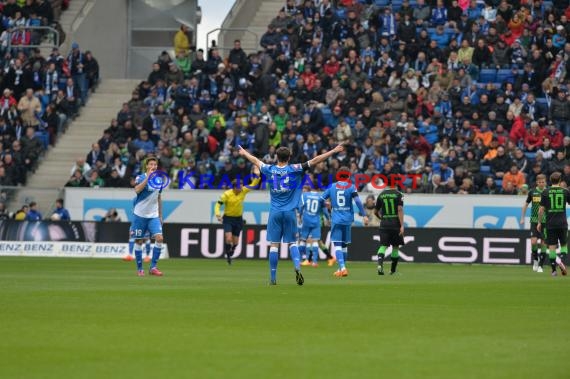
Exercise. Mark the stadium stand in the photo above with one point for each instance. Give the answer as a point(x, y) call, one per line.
point(389, 77)
point(477, 87)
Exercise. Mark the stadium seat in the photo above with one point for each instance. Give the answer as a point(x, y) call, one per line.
point(530, 155)
point(542, 105)
point(44, 137)
point(487, 75)
point(484, 169)
point(381, 3)
point(327, 115)
point(505, 75)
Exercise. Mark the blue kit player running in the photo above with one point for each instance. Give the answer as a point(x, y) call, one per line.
point(147, 217)
point(341, 194)
point(310, 210)
point(285, 188)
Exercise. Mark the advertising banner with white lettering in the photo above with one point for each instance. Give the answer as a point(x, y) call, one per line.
point(422, 245)
point(197, 207)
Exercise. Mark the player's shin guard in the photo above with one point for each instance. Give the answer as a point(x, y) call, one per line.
point(302, 250)
point(156, 254)
point(315, 253)
point(552, 258)
point(138, 256)
point(273, 260)
point(295, 256)
point(339, 256)
point(395, 258)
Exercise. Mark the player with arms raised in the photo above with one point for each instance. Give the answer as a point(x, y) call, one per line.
point(390, 210)
point(284, 182)
point(553, 204)
point(341, 194)
point(535, 197)
point(147, 216)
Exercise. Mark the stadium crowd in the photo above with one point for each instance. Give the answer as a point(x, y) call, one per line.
point(472, 95)
point(38, 94)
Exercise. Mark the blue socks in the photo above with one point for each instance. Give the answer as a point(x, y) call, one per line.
point(138, 257)
point(295, 256)
point(339, 257)
point(315, 252)
point(273, 260)
point(303, 251)
point(345, 252)
point(155, 254)
point(148, 249)
point(131, 245)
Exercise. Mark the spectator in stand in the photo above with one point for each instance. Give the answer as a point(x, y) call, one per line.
point(514, 177)
point(30, 108)
point(181, 41)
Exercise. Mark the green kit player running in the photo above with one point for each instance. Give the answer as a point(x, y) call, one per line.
point(534, 197)
point(553, 204)
point(390, 211)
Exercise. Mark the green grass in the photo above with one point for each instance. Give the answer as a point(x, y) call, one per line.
point(88, 318)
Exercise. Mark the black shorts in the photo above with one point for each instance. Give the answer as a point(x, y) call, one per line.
point(233, 225)
point(534, 232)
point(391, 237)
point(553, 236)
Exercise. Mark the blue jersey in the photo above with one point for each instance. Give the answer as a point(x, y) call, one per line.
point(311, 207)
point(341, 195)
point(145, 204)
point(284, 185)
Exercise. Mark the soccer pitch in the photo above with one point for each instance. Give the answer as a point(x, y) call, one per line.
point(89, 318)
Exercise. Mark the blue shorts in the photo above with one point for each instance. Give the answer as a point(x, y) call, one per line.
point(282, 227)
point(341, 233)
point(142, 227)
point(310, 231)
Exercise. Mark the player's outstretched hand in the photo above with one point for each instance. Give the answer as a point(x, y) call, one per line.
point(521, 221)
point(365, 220)
point(241, 151)
point(219, 217)
point(338, 148)
point(402, 230)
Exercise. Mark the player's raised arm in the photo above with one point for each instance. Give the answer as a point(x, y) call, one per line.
point(321, 158)
point(246, 154)
point(256, 179)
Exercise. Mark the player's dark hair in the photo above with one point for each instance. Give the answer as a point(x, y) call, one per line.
point(555, 178)
point(283, 154)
